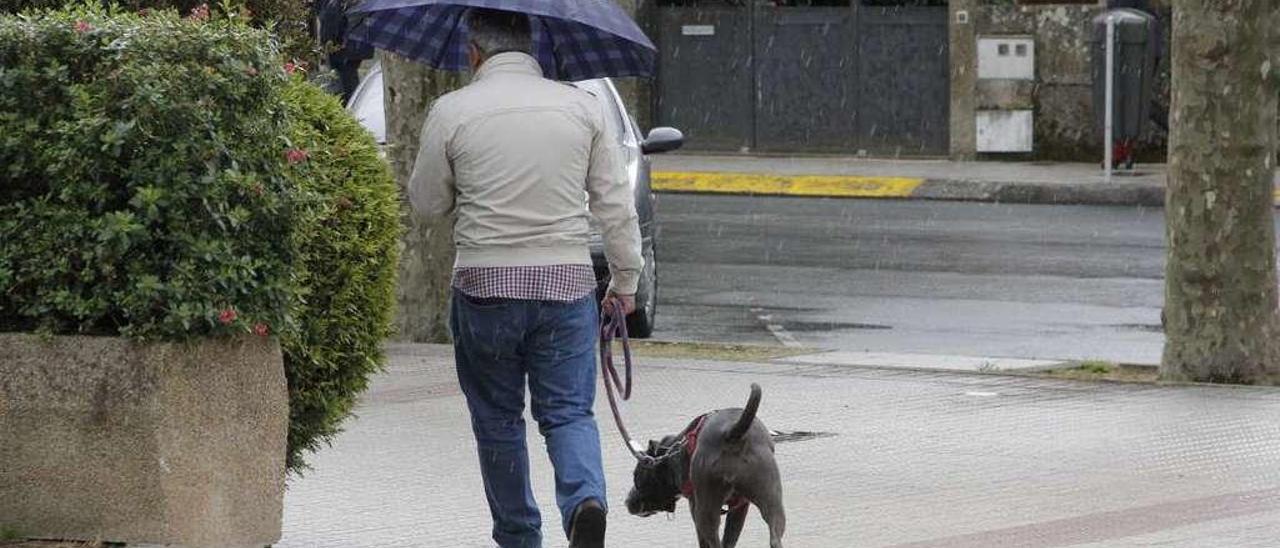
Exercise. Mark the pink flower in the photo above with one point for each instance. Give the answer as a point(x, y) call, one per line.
point(227, 316)
point(83, 27)
point(292, 67)
point(251, 71)
point(200, 13)
point(295, 155)
point(261, 329)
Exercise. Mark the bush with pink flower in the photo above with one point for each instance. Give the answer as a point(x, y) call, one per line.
point(143, 187)
point(163, 178)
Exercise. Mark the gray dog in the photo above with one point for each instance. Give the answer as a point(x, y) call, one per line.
point(723, 458)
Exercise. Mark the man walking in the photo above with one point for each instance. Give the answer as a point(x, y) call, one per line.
point(514, 157)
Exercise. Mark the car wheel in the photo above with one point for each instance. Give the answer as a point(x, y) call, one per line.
point(640, 323)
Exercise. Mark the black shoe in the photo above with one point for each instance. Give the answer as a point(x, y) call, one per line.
point(587, 528)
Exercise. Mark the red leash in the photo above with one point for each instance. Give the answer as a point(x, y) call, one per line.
point(613, 325)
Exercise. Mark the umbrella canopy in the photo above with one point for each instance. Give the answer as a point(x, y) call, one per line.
point(572, 39)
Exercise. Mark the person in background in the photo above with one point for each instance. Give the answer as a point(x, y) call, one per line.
point(344, 57)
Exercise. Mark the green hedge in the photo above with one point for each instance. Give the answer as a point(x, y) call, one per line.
point(348, 238)
point(163, 178)
point(142, 184)
point(288, 19)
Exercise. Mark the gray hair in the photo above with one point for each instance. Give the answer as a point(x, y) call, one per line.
point(496, 31)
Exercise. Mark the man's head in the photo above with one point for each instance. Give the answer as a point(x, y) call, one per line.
point(495, 31)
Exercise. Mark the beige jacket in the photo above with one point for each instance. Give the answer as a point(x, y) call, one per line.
point(510, 156)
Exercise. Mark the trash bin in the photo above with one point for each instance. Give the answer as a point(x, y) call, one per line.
point(1135, 50)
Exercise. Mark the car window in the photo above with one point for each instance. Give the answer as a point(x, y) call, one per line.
point(614, 120)
point(625, 122)
point(631, 135)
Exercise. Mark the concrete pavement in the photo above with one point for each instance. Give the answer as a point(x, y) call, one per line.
point(918, 459)
point(851, 177)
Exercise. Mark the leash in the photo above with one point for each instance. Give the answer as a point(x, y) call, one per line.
point(613, 326)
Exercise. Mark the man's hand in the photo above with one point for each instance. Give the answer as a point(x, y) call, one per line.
point(627, 302)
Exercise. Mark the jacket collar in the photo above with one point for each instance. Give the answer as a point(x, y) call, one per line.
point(511, 62)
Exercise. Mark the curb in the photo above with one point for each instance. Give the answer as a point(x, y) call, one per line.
point(830, 186)
point(909, 188)
point(1114, 194)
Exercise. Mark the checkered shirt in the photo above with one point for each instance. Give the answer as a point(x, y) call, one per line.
point(564, 282)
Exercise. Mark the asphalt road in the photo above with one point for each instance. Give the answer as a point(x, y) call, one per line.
point(976, 279)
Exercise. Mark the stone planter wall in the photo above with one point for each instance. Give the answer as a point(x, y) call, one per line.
point(180, 444)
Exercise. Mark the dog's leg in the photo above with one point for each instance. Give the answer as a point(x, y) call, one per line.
point(706, 519)
point(693, 511)
point(776, 517)
point(733, 525)
point(769, 500)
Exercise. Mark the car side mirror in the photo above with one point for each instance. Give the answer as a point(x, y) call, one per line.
point(662, 139)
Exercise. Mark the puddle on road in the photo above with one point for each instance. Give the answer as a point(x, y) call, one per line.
point(830, 326)
point(799, 435)
point(1148, 327)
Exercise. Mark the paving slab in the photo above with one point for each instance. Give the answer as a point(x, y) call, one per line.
point(920, 459)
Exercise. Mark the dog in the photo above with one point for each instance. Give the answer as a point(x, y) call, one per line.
point(723, 458)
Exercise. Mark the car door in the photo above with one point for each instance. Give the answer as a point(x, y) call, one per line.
point(623, 127)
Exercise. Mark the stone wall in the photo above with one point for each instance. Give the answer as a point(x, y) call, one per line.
point(102, 438)
point(1061, 94)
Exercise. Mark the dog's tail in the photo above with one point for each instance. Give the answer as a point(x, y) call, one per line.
point(748, 416)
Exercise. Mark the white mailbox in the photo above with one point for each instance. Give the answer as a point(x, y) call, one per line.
point(1005, 131)
point(1006, 58)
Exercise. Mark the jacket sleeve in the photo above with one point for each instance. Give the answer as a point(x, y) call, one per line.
point(431, 186)
point(613, 204)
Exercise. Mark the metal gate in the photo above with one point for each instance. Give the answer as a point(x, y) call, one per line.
point(846, 78)
point(806, 77)
point(710, 101)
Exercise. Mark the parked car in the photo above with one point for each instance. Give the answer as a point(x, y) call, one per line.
point(367, 106)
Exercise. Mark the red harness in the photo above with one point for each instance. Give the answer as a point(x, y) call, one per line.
point(735, 502)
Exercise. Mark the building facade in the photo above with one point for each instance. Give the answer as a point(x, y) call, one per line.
point(899, 78)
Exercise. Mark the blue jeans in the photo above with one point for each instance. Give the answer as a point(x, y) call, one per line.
point(498, 343)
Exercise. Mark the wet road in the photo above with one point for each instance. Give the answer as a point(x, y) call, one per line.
point(1059, 282)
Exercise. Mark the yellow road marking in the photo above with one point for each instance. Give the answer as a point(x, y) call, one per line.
point(837, 186)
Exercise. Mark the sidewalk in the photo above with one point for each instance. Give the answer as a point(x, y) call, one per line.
point(1010, 182)
point(920, 459)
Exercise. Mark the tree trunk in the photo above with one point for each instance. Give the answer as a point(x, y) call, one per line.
point(1275, 72)
point(637, 92)
point(1220, 280)
point(426, 261)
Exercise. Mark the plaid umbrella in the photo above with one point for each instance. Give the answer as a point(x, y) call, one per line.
point(573, 39)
